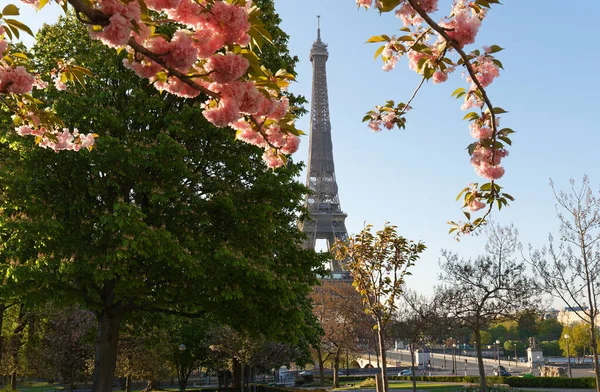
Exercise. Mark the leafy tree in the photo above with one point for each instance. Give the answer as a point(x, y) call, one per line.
point(570, 269)
point(528, 324)
point(66, 345)
point(163, 216)
point(549, 329)
point(338, 309)
point(479, 292)
point(379, 265)
point(579, 340)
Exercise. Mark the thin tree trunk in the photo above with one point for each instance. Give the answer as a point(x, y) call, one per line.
point(242, 378)
point(482, 383)
point(17, 339)
point(106, 351)
point(128, 383)
point(2, 310)
point(336, 367)
point(321, 367)
point(237, 374)
point(383, 356)
point(411, 347)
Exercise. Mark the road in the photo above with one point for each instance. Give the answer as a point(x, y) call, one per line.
point(442, 365)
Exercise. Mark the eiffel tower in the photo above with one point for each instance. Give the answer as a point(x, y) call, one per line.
point(327, 221)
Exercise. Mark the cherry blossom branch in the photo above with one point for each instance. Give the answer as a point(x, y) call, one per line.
point(95, 16)
point(442, 31)
point(133, 44)
point(414, 94)
point(467, 62)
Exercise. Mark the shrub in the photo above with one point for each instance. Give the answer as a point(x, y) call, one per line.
point(367, 383)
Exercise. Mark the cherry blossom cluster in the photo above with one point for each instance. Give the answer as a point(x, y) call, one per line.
point(58, 139)
point(204, 58)
point(428, 45)
point(207, 56)
point(16, 83)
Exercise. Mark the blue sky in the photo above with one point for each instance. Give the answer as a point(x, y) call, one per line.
point(411, 177)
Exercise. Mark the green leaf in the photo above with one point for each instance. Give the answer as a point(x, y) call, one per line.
point(10, 9)
point(378, 51)
point(471, 116)
point(376, 38)
point(495, 49)
point(457, 91)
point(498, 110)
point(19, 25)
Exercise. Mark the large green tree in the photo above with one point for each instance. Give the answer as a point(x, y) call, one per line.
point(167, 214)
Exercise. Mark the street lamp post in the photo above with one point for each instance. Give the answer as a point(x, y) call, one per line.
point(454, 358)
point(498, 348)
point(516, 365)
point(568, 356)
point(444, 349)
point(181, 351)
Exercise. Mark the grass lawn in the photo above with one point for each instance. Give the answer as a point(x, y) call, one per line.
point(423, 386)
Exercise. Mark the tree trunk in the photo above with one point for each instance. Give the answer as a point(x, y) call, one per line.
point(321, 367)
point(482, 383)
point(16, 341)
point(336, 367)
point(152, 386)
point(128, 383)
point(242, 377)
point(106, 351)
point(380, 335)
point(2, 310)
point(594, 349)
point(411, 347)
point(237, 373)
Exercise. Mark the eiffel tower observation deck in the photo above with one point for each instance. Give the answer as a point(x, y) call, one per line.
point(327, 220)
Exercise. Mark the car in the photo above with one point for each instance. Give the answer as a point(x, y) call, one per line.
point(305, 373)
point(405, 372)
point(502, 372)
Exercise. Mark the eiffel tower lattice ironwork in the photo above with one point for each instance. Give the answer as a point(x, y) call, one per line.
point(327, 221)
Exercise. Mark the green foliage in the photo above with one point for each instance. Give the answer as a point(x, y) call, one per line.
point(551, 382)
point(367, 383)
point(549, 329)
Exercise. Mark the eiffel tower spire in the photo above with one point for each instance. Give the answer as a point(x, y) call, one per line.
point(327, 219)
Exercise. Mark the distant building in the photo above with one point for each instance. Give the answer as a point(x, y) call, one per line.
point(551, 314)
point(573, 315)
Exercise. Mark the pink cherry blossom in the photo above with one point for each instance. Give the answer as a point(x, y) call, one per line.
point(116, 34)
point(463, 27)
point(231, 20)
point(188, 12)
point(59, 84)
point(182, 53)
point(439, 77)
point(280, 109)
point(479, 132)
point(291, 145)
point(16, 80)
point(23, 130)
point(226, 68)
point(208, 41)
point(175, 86)
point(161, 5)
point(475, 205)
point(364, 3)
point(272, 160)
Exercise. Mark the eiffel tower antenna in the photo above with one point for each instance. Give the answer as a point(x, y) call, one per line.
point(327, 220)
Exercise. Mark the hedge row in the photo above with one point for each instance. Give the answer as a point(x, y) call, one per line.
point(517, 382)
point(461, 379)
point(524, 382)
point(551, 382)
